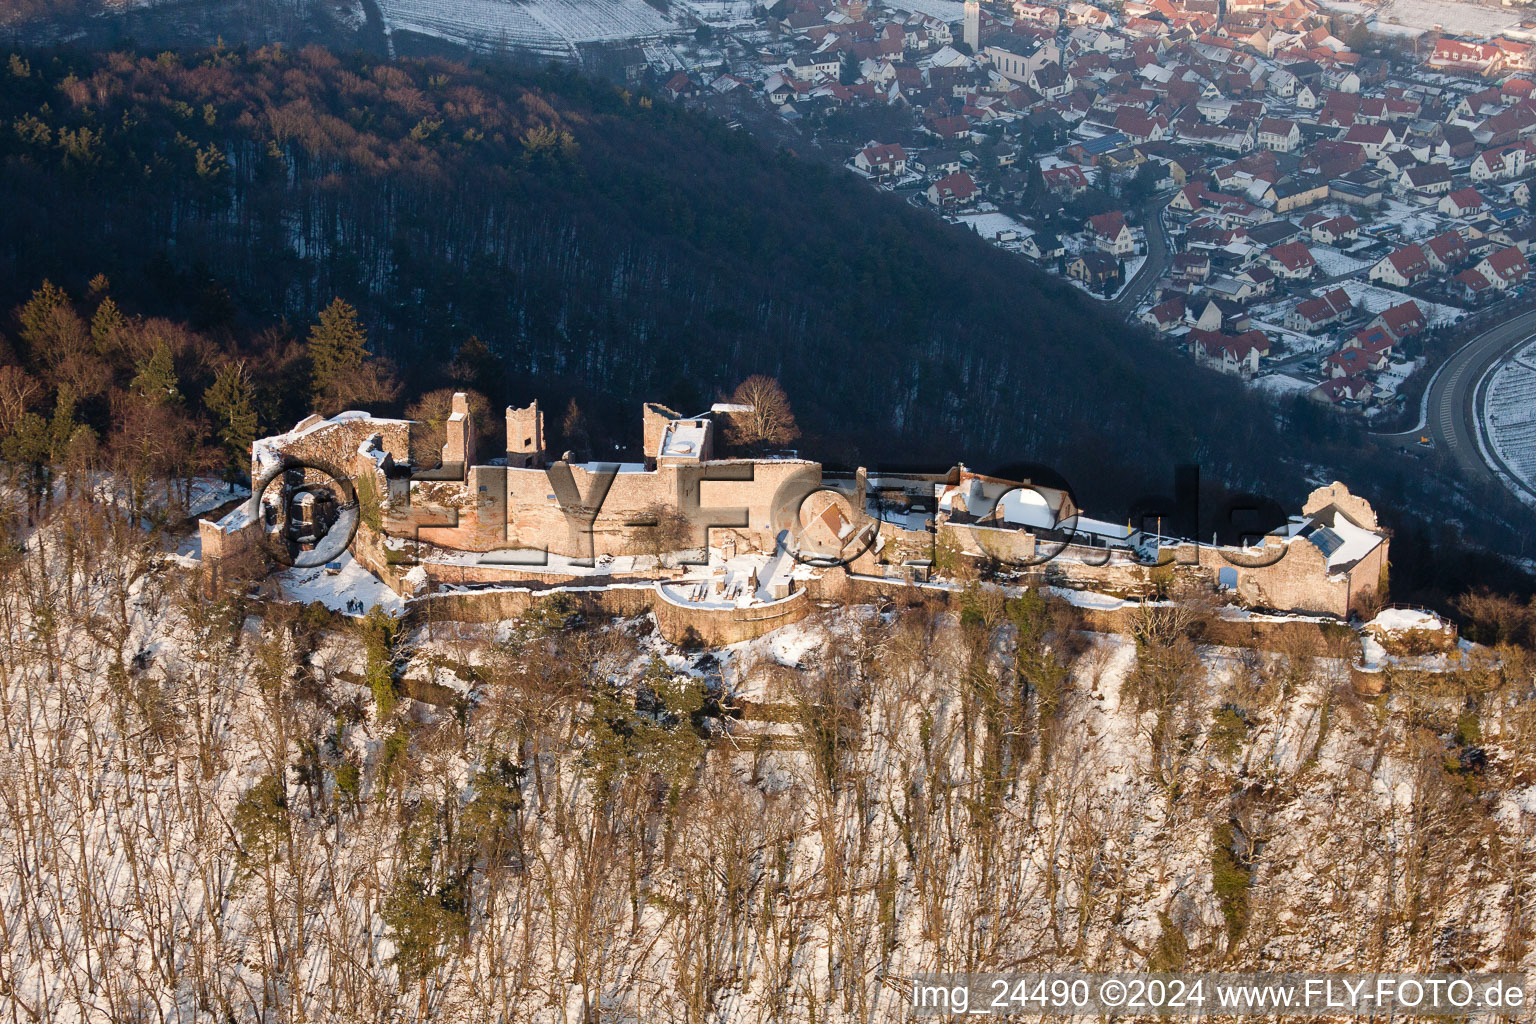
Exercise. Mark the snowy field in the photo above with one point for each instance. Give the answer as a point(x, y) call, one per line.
point(990, 225)
point(1373, 298)
point(1414, 221)
point(944, 10)
point(1295, 341)
point(1281, 384)
point(1390, 379)
point(545, 26)
point(1456, 17)
point(1334, 263)
point(1509, 418)
point(720, 12)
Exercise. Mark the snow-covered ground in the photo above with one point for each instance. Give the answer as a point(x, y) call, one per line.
point(1334, 263)
point(352, 583)
point(944, 10)
point(1295, 341)
point(208, 494)
point(990, 224)
point(1509, 416)
point(1392, 377)
point(1280, 384)
point(1410, 219)
point(1375, 299)
point(545, 26)
point(1456, 17)
point(719, 12)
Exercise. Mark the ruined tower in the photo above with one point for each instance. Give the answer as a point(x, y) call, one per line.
point(459, 448)
point(525, 437)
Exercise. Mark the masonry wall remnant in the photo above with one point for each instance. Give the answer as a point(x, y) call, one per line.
point(721, 539)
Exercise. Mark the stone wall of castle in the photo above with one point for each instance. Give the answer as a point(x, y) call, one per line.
point(519, 508)
point(678, 623)
point(335, 443)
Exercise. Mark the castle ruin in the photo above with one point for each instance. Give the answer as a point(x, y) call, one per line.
point(738, 538)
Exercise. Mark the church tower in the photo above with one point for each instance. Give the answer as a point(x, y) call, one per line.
point(973, 25)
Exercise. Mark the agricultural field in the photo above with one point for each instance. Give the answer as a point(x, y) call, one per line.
point(553, 27)
point(1510, 414)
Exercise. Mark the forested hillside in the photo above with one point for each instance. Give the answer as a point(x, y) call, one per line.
point(587, 236)
point(225, 810)
point(605, 246)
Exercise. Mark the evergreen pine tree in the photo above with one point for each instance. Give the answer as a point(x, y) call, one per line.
point(156, 378)
point(232, 402)
point(338, 348)
point(38, 315)
point(107, 322)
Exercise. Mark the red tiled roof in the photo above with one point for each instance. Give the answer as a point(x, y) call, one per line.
point(1509, 263)
point(959, 185)
point(1473, 280)
point(1350, 360)
point(1467, 198)
point(1292, 256)
point(1403, 318)
point(1340, 225)
point(1409, 260)
point(884, 153)
point(1108, 225)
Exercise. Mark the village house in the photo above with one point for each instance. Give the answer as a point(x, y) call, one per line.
point(810, 67)
point(1237, 354)
point(1065, 180)
point(1138, 127)
point(1165, 316)
point(1401, 268)
point(1338, 390)
point(1505, 268)
point(1400, 321)
point(1294, 192)
point(1472, 285)
point(1042, 246)
point(1426, 180)
point(1199, 133)
point(679, 86)
point(1111, 233)
point(1292, 261)
point(1312, 315)
point(1336, 230)
point(1351, 362)
point(1458, 55)
point(1045, 15)
point(949, 128)
point(958, 189)
point(1499, 164)
point(882, 160)
point(1372, 138)
point(1446, 251)
point(1464, 202)
point(1190, 267)
point(1094, 268)
point(1278, 134)
point(937, 163)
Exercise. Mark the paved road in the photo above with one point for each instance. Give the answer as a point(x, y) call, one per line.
point(1155, 265)
point(1452, 412)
